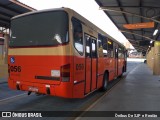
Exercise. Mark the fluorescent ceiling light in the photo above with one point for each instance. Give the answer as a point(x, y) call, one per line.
point(151, 41)
point(155, 32)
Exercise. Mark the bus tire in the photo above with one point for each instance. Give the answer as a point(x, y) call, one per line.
point(122, 72)
point(105, 82)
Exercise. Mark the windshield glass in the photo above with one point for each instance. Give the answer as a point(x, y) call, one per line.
point(39, 29)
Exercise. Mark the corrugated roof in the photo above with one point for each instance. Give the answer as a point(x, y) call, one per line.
point(128, 12)
point(10, 8)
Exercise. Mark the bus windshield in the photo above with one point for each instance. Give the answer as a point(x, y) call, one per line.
point(40, 29)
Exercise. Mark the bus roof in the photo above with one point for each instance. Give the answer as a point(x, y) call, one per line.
point(39, 11)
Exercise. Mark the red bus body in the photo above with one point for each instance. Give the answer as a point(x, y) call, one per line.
point(62, 71)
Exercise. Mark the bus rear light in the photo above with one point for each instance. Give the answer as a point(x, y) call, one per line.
point(18, 82)
point(48, 86)
point(17, 85)
point(65, 73)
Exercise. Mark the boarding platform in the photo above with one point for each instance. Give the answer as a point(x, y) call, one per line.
point(138, 91)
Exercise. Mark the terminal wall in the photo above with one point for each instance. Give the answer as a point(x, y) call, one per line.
point(156, 69)
point(153, 58)
point(150, 58)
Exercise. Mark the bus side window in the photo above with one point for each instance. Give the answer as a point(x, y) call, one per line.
point(100, 46)
point(121, 52)
point(88, 48)
point(77, 36)
point(94, 51)
point(105, 52)
point(110, 48)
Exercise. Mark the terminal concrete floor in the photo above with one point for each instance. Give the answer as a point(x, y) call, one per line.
point(139, 91)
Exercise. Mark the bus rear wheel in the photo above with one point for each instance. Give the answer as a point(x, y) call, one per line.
point(105, 82)
point(122, 72)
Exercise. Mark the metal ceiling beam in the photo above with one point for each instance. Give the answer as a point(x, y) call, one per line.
point(138, 47)
point(100, 4)
point(119, 4)
point(10, 9)
point(2, 17)
point(137, 40)
point(132, 7)
point(137, 35)
point(156, 16)
point(5, 14)
point(140, 4)
point(22, 5)
point(141, 50)
point(131, 40)
point(134, 40)
point(116, 15)
point(129, 13)
point(141, 47)
point(5, 20)
point(134, 44)
point(3, 24)
point(138, 30)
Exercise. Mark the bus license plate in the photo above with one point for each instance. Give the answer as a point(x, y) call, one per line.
point(33, 89)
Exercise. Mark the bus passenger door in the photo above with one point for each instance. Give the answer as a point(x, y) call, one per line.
point(87, 64)
point(93, 63)
point(116, 62)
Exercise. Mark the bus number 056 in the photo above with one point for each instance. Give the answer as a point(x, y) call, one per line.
point(14, 68)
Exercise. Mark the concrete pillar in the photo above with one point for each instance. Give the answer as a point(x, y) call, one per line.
point(150, 58)
point(156, 69)
point(5, 54)
point(147, 57)
point(1, 49)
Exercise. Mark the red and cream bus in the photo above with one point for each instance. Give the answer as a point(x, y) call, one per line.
point(60, 53)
